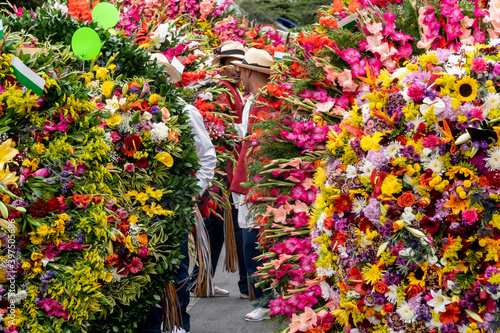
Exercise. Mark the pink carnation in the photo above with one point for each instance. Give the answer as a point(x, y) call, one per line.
point(430, 141)
point(415, 93)
point(478, 65)
point(469, 216)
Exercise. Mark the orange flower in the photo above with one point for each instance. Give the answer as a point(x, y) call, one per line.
point(407, 199)
point(455, 204)
point(354, 6)
point(81, 9)
point(380, 287)
point(337, 6)
point(451, 314)
point(142, 239)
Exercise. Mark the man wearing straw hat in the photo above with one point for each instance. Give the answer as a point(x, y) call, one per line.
point(208, 160)
point(232, 103)
point(255, 70)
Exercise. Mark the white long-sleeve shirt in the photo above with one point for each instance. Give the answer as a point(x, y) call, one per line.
point(204, 148)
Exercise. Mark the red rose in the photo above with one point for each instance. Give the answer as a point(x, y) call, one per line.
point(54, 204)
point(142, 163)
point(380, 287)
point(329, 223)
point(413, 290)
point(494, 178)
point(401, 139)
point(388, 307)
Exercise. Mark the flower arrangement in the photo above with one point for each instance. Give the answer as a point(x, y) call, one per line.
point(404, 224)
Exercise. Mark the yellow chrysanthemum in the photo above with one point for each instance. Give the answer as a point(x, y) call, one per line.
point(372, 274)
point(391, 185)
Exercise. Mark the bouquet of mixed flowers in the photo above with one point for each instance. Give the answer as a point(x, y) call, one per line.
point(405, 223)
point(98, 193)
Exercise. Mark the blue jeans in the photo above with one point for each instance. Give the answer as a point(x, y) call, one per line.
point(250, 240)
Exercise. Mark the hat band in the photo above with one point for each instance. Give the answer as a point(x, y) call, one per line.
point(231, 52)
point(244, 62)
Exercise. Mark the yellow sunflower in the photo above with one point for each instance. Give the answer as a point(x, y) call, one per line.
point(466, 89)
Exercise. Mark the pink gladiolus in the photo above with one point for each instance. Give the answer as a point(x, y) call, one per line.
point(41, 173)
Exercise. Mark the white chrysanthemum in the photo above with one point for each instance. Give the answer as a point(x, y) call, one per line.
point(406, 312)
point(367, 168)
point(373, 320)
point(322, 271)
point(392, 294)
point(462, 328)
point(353, 294)
point(493, 159)
point(159, 132)
point(124, 125)
point(433, 323)
point(351, 171)
point(321, 226)
point(342, 251)
point(392, 150)
point(434, 164)
point(325, 290)
point(358, 204)
point(491, 101)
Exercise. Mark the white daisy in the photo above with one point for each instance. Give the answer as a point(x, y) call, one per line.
point(358, 204)
point(124, 125)
point(406, 312)
point(493, 159)
point(392, 150)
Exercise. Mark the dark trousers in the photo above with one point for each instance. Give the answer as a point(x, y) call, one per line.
point(250, 240)
point(153, 324)
point(181, 285)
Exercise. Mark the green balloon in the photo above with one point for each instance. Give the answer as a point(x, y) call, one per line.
point(105, 15)
point(86, 43)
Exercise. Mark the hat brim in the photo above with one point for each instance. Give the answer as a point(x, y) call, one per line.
point(217, 59)
point(174, 75)
point(254, 68)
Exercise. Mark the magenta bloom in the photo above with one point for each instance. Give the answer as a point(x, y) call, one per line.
point(129, 167)
point(415, 93)
point(469, 216)
point(143, 252)
point(478, 65)
point(430, 141)
point(53, 308)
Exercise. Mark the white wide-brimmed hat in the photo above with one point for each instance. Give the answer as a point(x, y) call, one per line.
point(256, 60)
point(230, 49)
point(171, 70)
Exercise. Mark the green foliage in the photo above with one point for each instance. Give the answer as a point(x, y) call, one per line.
point(302, 12)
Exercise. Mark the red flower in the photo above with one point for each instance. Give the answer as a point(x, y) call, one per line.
point(329, 223)
point(429, 226)
point(135, 266)
point(39, 209)
point(132, 144)
point(343, 203)
point(356, 278)
point(142, 163)
point(451, 314)
point(54, 204)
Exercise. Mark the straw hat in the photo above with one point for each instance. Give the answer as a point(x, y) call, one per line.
point(230, 49)
point(256, 60)
point(171, 71)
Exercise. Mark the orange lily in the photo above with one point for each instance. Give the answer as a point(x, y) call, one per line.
point(455, 204)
